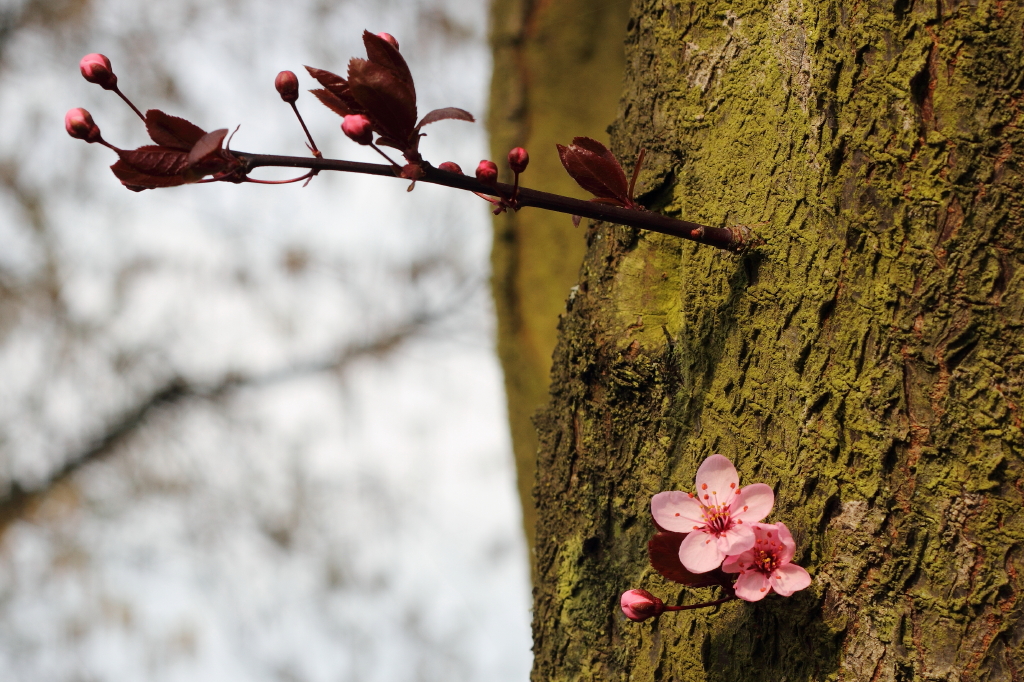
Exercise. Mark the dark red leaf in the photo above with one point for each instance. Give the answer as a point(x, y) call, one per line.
point(137, 181)
point(595, 169)
point(383, 53)
point(333, 102)
point(389, 104)
point(171, 131)
point(153, 160)
point(207, 146)
point(442, 114)
point(663, 550)
point(336, 86)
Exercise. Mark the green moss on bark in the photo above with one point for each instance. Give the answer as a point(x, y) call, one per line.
point(866, 361)
point(557, 74)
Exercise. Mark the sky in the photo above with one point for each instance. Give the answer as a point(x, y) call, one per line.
point(311, 477)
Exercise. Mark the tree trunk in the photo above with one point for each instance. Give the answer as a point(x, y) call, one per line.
point(866, 361)
point(557, 73)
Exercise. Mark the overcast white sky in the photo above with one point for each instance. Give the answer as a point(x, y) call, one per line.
point(360, 525)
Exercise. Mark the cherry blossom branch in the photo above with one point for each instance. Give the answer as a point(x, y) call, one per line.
point(734, 239)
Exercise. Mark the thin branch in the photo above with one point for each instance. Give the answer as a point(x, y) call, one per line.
point(736, 238)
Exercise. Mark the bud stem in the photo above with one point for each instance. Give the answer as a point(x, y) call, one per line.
point(129, 103)
point(379, 151)
point(312, 145)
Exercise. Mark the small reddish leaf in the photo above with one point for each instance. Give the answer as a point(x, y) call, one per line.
point(137, 181)
point(442, 114)
point(596, 170)
point(383, 53)
point(663, 550)
point(326, 78)
point(153, 160)
point(333, 102)
point(208, 145)
point(171, 131)
point(337, 86)
point(389, 104)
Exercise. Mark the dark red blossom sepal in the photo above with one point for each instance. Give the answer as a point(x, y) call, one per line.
point(663, 550)
point(596, 170)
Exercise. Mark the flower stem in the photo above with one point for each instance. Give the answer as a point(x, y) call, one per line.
point(129, 103)
point(736, 239)
point(312, 145)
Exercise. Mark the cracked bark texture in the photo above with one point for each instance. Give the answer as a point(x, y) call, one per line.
point(867, 361)
point(557, 74)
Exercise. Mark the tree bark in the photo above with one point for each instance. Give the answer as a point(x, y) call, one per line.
point(557, 74)
point(866, 361)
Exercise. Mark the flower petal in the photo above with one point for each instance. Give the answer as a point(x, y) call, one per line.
point(676, 511)
point(717, 477)
point(699, 552)
point(736, 540)
point(752, 586)
point(785, 555)
point(735, 563)
point(753, 503)
point(789, 578)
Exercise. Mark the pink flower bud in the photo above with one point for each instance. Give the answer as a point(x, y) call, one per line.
point(518, 160)
point(640, 605)
point(487, 172)
point(451, 167)
point(358, 128)
point(287, 84)
point(80, 125)
point(96, 69)
point(390, 38)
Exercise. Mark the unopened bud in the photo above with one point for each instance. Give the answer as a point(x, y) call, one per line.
point(80, 125)
point(96, 69)
point(389, 38)
point(358, 128)
point(287, 84)
point(487, 172)
point(640, 605)
point(451, 167)
point(518, 159)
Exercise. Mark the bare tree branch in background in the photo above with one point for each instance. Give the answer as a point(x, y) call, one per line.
point(19, 500)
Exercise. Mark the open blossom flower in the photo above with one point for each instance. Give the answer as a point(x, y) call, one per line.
point(766, 566)
point(639, 605)
point(717, 518)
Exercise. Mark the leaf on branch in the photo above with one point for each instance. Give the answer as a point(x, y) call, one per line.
point(171, 131)
point(333, 102)
point(154, 160)
point(137, 181)
point(445, 113)
point(207, 146)
point(389, 103)
point(663, 550)
point(336, 87)
point(596, 170)
point(383, 53)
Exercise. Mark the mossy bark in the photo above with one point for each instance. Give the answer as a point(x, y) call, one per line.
point(557, 74)
point(867, 361)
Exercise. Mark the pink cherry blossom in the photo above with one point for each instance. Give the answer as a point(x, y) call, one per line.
point(766, 566)
point(717, 518)
point(640, 605)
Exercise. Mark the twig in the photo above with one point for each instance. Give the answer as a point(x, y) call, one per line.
point(736, 239)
